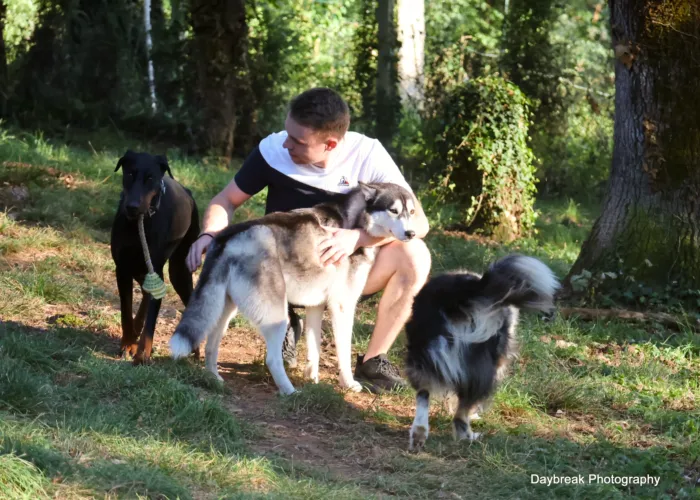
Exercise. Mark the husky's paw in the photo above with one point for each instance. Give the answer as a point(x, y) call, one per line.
point(287, 391)
point(352, 385)
point(311, 372)
point(417, 438)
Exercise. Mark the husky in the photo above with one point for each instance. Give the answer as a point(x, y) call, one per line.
point(462, 335)
point(259, 266)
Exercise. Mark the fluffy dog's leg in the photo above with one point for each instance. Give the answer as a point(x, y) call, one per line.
point(274, 334)
point(461, 424)
point(419, 429)
point(342, 318)
point(214, 339)
point(314, 319)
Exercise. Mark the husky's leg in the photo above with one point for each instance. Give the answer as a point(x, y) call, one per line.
point(314, 319)
point(342, 318)
point(274, 334)
point(419, 430)
point(461, 424)
point(215, 336)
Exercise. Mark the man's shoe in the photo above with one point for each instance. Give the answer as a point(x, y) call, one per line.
point(378, 374)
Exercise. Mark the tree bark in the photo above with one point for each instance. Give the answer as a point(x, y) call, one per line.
point(387, 95)
point(220, 44)
point(4, 82)
point(649, 227)
point(411, 33)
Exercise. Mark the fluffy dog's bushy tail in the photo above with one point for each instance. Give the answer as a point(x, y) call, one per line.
point(520, 281)
point(200, 317)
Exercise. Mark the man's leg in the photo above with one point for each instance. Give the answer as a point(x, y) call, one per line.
point(400, 269)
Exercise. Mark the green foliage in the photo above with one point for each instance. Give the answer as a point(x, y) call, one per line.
point(481, 137)
point(462, 38)
point(298, 45)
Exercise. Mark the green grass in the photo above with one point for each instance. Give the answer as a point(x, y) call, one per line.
point(75, 422)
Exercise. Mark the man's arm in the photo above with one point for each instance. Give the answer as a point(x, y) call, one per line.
point(221, 208)
point(216, 217)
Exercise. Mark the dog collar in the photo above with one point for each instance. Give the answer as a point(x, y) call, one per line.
point(153, 208)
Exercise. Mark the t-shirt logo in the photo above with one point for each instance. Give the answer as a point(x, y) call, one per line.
point(343, 181)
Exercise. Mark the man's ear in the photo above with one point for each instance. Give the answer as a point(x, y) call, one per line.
point(127, 156)
point(164, 167)
point(331, 144)
point(368, 191)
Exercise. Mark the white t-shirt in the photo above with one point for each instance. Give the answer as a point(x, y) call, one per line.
point(356, 158)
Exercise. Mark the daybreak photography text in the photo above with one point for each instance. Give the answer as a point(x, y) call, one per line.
point(595, 479)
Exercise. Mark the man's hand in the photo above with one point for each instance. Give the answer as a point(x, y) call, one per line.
point(194, 257)
point(340, 244)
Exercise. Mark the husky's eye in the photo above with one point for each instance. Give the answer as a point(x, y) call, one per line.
point(394, 211)
point(412, 212)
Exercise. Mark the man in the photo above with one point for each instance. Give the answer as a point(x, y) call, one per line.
point(314, 160)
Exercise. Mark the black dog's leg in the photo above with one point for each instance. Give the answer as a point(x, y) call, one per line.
point(125, 285)
point(143, 354)
point(141, 314)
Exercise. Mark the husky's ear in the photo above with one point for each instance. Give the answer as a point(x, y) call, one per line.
point(127, 156)
point(370, 192)
point(164, 166)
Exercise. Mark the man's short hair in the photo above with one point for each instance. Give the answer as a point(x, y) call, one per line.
point(321, 109)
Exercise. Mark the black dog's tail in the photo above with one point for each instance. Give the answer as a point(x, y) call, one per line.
point(520, 281)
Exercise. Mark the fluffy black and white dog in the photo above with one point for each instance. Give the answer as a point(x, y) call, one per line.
point(461, 335)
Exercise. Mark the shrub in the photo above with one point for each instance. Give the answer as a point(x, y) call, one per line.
point(480, 135)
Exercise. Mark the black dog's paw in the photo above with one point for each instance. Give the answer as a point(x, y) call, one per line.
point(141, 359)
point(128, 351)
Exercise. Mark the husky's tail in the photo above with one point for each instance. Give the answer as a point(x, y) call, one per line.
point(520, 281)
point(201, 315)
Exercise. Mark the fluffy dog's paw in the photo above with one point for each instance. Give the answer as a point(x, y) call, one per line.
point(311, 372)
point(473, 436)
point(418, 436)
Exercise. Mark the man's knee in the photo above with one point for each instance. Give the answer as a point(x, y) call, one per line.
point(415, 264)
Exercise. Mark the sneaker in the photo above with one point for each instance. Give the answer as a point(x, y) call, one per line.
point(378, 374)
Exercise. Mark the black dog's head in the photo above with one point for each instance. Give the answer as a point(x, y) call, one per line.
point(142, 176)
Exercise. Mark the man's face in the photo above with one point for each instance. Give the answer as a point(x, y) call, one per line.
point(306, 145)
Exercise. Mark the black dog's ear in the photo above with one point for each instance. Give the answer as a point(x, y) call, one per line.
point(127, 156)
point(164, 167)
point(368, 191)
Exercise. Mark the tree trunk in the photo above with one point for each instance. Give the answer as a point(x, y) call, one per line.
point(4, 82)
point(650, 223)
point(149, 50)
point(220, 45)
point(388, 104)
point(411, 33)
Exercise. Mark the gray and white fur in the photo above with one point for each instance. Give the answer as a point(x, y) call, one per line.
point(461, 335)
point(258, 267)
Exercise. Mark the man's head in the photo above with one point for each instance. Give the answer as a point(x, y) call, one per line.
point(317, 120)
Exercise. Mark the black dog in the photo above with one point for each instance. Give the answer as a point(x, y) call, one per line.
point(171, 225)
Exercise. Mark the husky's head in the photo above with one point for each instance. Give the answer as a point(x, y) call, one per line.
point(391, 209)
